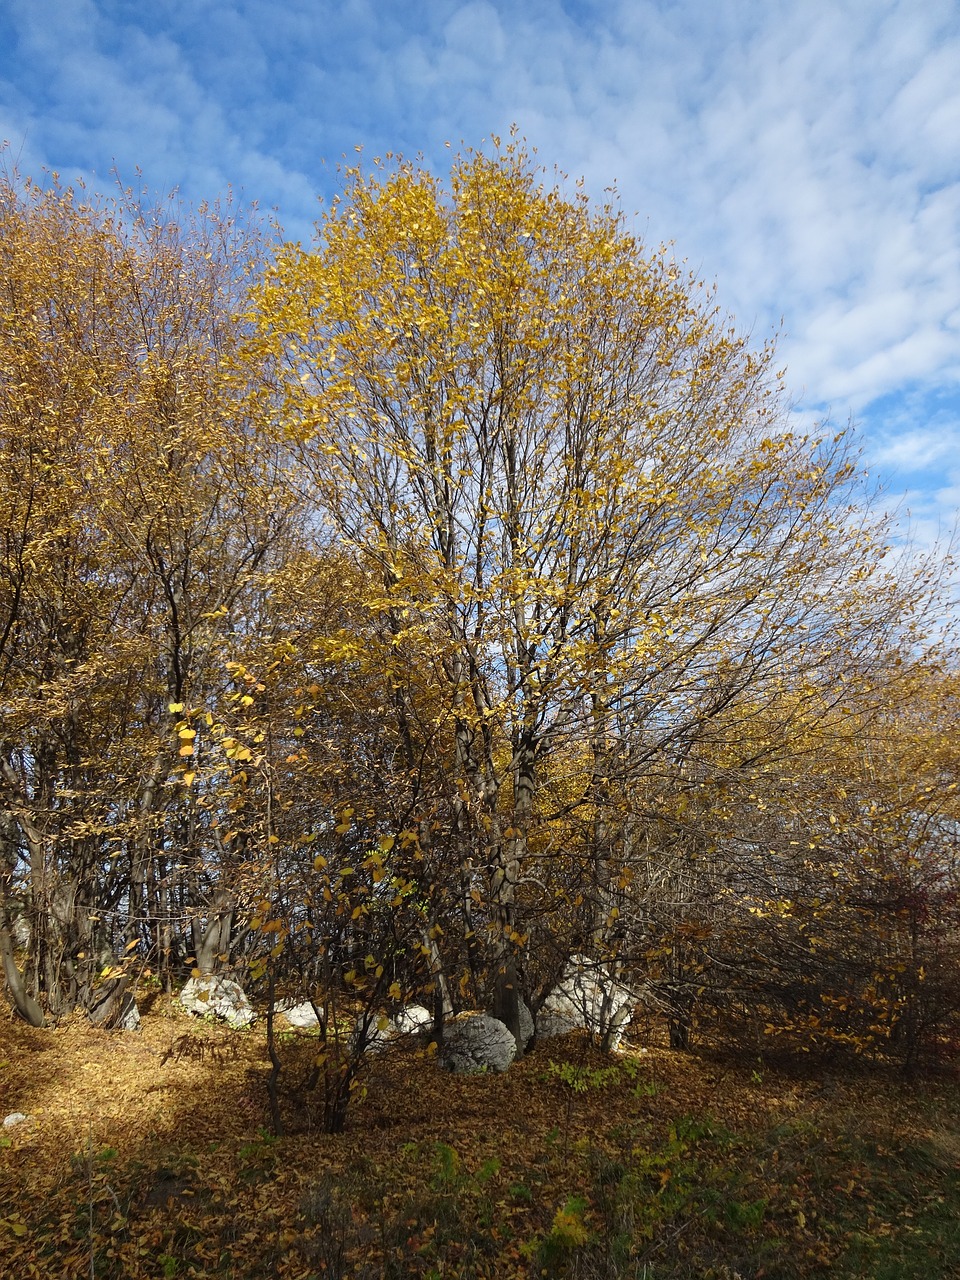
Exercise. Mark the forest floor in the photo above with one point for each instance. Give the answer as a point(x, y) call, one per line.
point(149, 1154)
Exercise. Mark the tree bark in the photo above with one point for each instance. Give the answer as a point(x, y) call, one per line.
point(25, 1004)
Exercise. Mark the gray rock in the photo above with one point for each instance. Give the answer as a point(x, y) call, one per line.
point(526, 1026)
point(13, 1119)
point(476, 1042)
point(587, 998)
point(22, 934)
point(218, 996)
point(129, 1019)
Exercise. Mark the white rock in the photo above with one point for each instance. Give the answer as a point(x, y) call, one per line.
point(13, 1119)
point(587, 998)
point(219, 996)
point(299, 1015)
point(412, 1018)
point(476, 1042)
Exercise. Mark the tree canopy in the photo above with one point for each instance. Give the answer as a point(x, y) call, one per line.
point(400, 617)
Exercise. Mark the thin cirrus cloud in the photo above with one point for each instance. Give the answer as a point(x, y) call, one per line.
point(806, 157)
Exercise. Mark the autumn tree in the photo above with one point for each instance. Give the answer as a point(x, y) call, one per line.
point(143, 510)
point(801, 887)
point(574, 492)
point(856, 931)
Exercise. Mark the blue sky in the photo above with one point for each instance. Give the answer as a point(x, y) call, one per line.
point(806, 156)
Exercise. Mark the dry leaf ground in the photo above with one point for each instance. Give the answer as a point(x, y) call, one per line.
point(148, 1154)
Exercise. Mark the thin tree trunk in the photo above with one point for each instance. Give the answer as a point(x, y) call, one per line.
point(25, 1004)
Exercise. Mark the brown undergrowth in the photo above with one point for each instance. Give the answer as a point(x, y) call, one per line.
point(148, 1154)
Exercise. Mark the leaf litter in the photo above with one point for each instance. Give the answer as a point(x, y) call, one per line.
point(149, 1154)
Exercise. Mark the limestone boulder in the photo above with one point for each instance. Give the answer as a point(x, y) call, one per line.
point(412, 1019)
point(219, 997)
point(385, 1032)
point(587, 998)
point(476, 1042)
point(527, 1027)
point(129, 1016)
point(299, 1015)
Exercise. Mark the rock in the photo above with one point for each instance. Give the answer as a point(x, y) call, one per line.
point(13, 1119)
point(587, 998)
point(22, 935)
point(299, 1015)
point(411, 1019)
point(526, 1026)
point(476, 1042)
point(113, 1006)
point(129, 1019)
point(221, 997)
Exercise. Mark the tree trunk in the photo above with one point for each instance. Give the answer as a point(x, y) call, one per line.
point(213, 947)
point(110, 1002)
point(25, 1004)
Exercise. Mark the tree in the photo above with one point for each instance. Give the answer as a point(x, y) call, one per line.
point(572, 486)
point(144, 509)
point(804, 890)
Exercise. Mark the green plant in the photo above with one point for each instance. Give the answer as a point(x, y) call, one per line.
point(257, 1157)
point(568, 1233)
point(446, 1173)
point(583, 1079)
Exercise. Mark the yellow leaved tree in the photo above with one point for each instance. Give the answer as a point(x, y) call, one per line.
point(142, 513)
point(581, 516)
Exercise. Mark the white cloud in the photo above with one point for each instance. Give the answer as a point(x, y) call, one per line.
point(807, 156)
point(918, 448)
